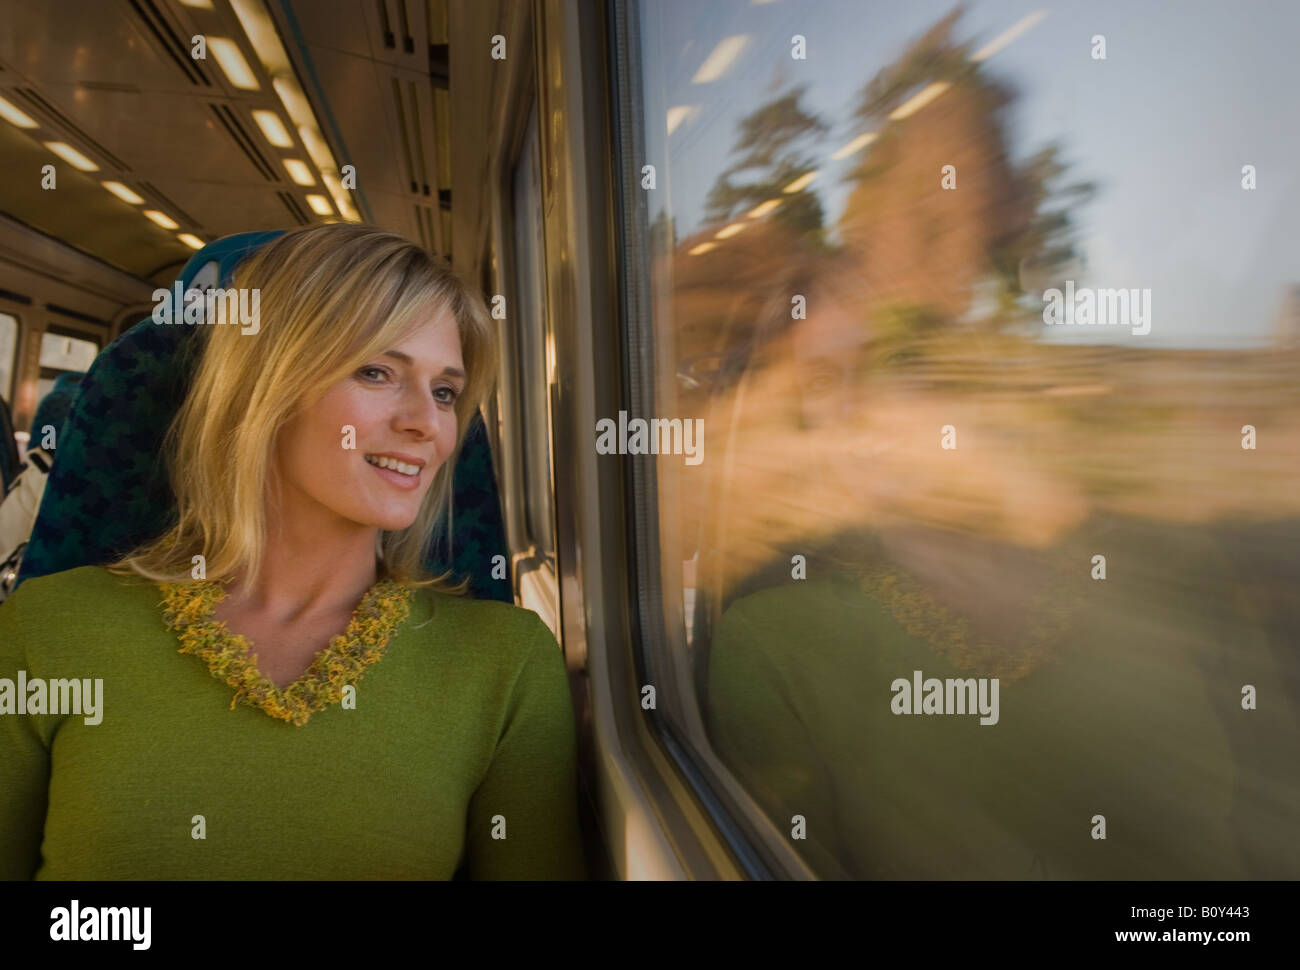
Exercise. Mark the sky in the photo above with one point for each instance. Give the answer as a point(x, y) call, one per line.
point(1189, 92)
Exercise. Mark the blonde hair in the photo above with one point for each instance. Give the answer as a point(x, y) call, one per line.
point(332, 296)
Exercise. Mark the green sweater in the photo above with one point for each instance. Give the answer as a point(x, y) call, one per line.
point(1136, 716)
point(462, 731)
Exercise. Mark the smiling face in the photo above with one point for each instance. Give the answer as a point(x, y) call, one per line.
point(401, 404)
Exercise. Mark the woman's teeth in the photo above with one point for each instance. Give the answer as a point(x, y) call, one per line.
point(392, 464)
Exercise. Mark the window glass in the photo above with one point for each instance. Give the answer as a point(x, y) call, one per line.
point(536, 352)
point(988, 317)
point(43, 386)
point(8, 352)
point(67, 353)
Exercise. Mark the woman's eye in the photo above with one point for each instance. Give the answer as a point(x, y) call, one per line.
point(821, 381)
point(450, 393)
point(366, 373)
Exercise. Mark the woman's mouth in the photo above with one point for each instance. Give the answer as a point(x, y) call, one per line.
point(399, 473)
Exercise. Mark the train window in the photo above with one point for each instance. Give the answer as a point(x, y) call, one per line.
point(8, 352)
point(972, 412)
point(60, 352)
point(536, 352)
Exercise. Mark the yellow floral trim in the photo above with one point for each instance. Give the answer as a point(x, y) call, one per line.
point(188, 609)
point(921, 616)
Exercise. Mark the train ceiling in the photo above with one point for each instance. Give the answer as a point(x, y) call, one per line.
point(156, 151)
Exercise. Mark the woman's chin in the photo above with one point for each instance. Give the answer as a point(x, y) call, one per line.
point(391, 520)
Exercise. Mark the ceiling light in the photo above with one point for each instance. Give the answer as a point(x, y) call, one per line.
point(191, 240)
point(232, 62)
point(1007, 36)
point(919, 100)
point(316, 147)
point(164, 220)
point(301, 114)
point(320, 205)
point(294, 101)
point(72, 156)
point(341, 198)
point(15, 117)
point(124, 193)
point(802, 182)
point(261, 33)
point(721, 60)
point(703, 248)
point(298, 171)
point(273, 128)
point(679, 113)
point(334, 185)
point(859, 143)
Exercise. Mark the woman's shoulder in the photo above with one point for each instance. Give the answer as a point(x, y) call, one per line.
point(501, 649)
point(77, 588)
point(785, 618)
point(487, 627)
point(70, 609)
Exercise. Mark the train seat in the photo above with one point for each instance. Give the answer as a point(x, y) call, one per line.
point(108, 489)
point(53, 409)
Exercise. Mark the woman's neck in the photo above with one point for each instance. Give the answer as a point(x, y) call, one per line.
point(309, 571)
point(988, 584)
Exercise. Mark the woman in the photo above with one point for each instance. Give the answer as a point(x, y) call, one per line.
point(918, 652)
point(272, 689)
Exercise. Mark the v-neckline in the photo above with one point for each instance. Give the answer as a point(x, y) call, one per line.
point(188, 609)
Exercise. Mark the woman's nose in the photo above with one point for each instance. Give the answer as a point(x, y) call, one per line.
point(419, 413)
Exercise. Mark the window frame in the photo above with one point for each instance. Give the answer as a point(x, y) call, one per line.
point(535, 571)
point(7, 391)
point(525, 374)
point(758, 845)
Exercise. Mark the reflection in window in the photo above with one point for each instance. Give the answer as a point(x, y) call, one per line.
point(995, 340)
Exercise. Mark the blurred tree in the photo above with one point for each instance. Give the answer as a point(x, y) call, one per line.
point(918, 244)
point(774, 141)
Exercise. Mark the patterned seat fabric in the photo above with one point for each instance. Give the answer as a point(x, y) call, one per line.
point(53, 409)
point(108, 490)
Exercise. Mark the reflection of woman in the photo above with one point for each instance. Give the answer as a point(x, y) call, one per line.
point(311, 461)
point(1116, 699)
